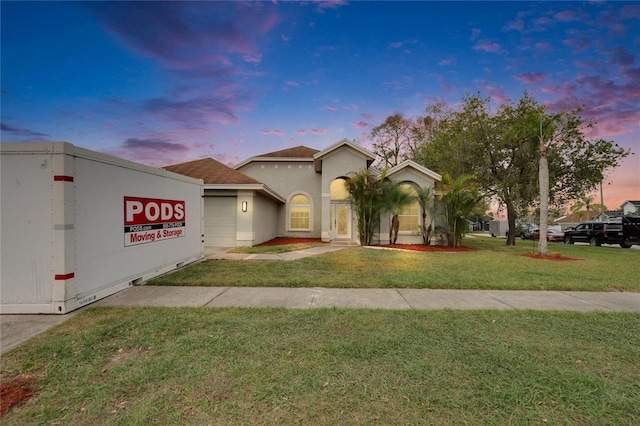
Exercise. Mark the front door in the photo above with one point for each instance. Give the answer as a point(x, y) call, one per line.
point(341, 220)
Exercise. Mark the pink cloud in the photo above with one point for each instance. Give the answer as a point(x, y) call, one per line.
point(351, 107)
point(543, 46)
point(318, 132)
point(567, 16)
point(330, 108)
point(619, 56)
point(495, 92)
point(630, 11)
point(204, 48)
point(293, 83)
point(175, 31)
point(154, 151)
point(254, 58)
point(578, 41)
point(446, 62)
point(429, 99)
point(403, 83)
point(329, 4)
point(367, 116)
point(487, 46)
point(23, 133)
point(611, 104)
point(361, 125)
point(542, 22)
point(515, 25)
point(272, 132)
point(301, 132)
point(530, 77)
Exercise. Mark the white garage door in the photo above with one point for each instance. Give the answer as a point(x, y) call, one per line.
point(220, 221)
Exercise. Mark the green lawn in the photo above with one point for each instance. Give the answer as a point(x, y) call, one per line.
point(492, 265)
point(199, 366)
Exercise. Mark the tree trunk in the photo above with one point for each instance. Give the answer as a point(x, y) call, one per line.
point(395, 227)
point(511, 219)
point(425, 235)
point(543, 176)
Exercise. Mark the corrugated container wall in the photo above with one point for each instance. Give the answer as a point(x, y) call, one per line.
point(77, 225)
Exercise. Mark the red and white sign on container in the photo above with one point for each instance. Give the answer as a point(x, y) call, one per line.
point(147, 220)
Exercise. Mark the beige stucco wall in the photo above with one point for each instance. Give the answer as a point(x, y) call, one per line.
point(265, 219)
point(288, 179)
point(339, 163)
point(408, 175)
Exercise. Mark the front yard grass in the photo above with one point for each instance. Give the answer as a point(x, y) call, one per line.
point(196, 366)
point(492, 265)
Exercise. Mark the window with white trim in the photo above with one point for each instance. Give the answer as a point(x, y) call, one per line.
point(300, 213)
point(409, 216)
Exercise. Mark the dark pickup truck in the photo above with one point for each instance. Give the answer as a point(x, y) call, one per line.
point(625, 233)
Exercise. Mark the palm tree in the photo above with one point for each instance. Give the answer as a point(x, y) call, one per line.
point(365, 192)
point(426, 201)
point(459, 199)
point(585, 203)
point(394, 199)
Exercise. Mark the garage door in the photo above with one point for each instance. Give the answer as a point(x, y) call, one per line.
point(220, 221)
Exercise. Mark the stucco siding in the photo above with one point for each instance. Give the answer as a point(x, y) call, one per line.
point(265, 219)
point(408, 175)
point(287, 179)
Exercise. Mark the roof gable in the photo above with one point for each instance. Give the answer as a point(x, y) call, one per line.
point(300, 151)
point(342, 143)
point(408, 164)
point(211, 172)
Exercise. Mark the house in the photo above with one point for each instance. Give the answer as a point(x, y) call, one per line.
point(630, 207)
point(573, 220)
point(297, 192)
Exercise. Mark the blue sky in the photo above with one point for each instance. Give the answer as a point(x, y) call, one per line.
point(166, 82)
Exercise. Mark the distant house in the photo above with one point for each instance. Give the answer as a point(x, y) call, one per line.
point(630, 207)
point(572, 220)
point(296, 192)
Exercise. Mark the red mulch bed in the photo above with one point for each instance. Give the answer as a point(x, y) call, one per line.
point(281, 241)
point(553, 256)
point(18, 391)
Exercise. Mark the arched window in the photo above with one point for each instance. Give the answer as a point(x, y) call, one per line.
point(409, 217)
point(338, 190)
point(300, 213)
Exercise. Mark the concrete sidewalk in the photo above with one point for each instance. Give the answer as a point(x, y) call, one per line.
point(16, 329)
point(301, 298)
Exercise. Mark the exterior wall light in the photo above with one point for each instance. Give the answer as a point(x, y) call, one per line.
point(244, 206)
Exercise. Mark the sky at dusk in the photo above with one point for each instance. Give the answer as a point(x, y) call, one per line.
point(165, 82)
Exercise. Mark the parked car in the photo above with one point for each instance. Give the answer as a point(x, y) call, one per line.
point(552, 235)
point(625, 233)
point(524, 231)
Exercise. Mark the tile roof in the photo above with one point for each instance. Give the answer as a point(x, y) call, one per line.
point(296, 152)
point(576, 218)
point(211, 172)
